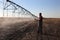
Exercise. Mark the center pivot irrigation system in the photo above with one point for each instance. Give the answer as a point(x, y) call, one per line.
point(15, 9)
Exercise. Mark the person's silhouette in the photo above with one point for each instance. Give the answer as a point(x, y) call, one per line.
point(40, 27)
point(40, 23)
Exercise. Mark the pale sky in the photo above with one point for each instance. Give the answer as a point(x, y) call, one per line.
point(49, 8)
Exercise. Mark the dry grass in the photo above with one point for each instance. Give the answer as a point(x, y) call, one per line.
point(51, 26)
point(14, 28)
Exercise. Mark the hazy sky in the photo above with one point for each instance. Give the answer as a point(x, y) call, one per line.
point(49, 8)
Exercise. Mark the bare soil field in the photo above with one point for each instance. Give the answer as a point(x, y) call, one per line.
point(26, 29)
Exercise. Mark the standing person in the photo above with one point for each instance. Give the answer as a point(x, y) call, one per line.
point(40, 23)
point(40, 26)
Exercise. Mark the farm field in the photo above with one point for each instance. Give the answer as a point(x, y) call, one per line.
point(51, 28)
point(26, 29)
